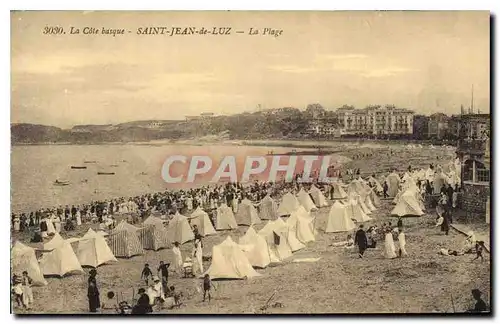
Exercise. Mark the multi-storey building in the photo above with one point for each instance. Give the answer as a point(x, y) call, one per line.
point(376, 120)
point(470, 126)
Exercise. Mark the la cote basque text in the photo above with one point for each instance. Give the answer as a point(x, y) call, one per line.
point(165, 31)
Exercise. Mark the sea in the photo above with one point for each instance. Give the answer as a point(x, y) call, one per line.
point(136, 168)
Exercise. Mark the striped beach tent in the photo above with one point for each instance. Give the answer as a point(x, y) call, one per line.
point(268, 209)
point(153, 235)
point(124, 241)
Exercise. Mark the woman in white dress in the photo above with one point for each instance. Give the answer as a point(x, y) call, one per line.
point(50, 226)
point(234, 203)
point(78, 218)
point(177, 258)
point(198, 258)
point(390, 248)
point(402, 243)
point(17, 223)
point(57, 223)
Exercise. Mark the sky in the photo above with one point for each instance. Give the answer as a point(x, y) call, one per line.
point(424, 61)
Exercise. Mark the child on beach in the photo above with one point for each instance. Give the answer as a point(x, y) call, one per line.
point(207, 286)
point(17, 289)
point(146, 274)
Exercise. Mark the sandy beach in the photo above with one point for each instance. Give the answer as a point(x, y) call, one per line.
point(339, 282)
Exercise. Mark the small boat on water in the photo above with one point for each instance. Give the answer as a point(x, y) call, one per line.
point(105, 173)
point(89, 162)
point(61, 183)
point(78, 167)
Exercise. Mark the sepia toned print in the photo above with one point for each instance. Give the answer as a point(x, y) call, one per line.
point(250, 162)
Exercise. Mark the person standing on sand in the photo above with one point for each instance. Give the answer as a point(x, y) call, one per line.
point(361, 240)
point(146, 274)
point(402, 243)
point(177, 258)
point(390, 248)
point(163, 273)
point(385, 188)
point(93, 292)
point(207, 286)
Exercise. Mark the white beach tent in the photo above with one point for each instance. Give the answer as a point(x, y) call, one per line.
point(393, 181)
point(200, 218)
point(369, 204)
point(230, 262)
point(247, 214)
point(355, 212)
point(407, 205)
point(61, 259)
point(225, 218)
point(93, 250)
point(302, 225)
point(338, 191)
point(23, 258)
point(338, 219)
point(289, 204)
point(318, 197)
point(268, 209)
point(258, 253)
point(291, 235)
point(275, 236)
point(306, 201)
point(179, 230)
point(375, 184)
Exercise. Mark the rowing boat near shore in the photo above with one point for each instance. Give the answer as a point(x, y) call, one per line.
point(105, 173)
point(78, 167)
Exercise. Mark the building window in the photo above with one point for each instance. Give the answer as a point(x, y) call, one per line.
point(483, 175)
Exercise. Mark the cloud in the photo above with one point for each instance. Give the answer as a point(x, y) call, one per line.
point(385, 72)
point(292, 69)
point(338, 57)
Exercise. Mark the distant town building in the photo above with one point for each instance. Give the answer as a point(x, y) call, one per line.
point(323, 128)
point(376, 120)
point(437, 125)
point(420, 127)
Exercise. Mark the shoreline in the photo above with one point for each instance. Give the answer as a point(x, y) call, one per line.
point(284, 143)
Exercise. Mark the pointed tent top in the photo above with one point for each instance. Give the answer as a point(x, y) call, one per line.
point(250, 231)
point(246, 201)
point(153, 220)
point(124, 226)
point(228, 241)
point(55, 242)
point(314, 188)
point(20, 246)
point(90, 233)
point(268, 197)
point(337, 204)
